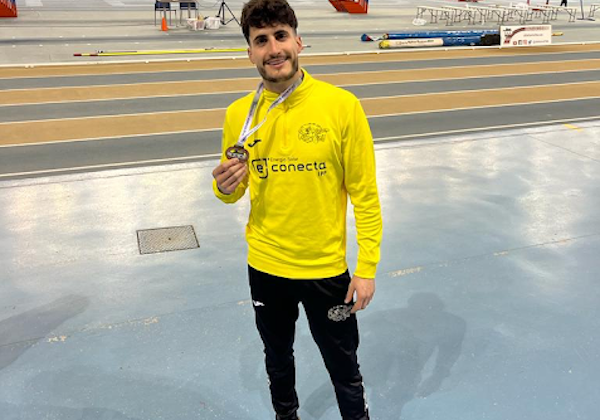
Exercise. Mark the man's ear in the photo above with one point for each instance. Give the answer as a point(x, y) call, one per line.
point(250, 55)
point(299, 43)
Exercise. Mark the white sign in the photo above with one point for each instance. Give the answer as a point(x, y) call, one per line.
point(528, 35)
point(412, 43)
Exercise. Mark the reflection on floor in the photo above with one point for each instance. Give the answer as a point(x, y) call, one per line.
point(487, 303)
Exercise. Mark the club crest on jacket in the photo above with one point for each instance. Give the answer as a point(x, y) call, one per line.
point(312, 133)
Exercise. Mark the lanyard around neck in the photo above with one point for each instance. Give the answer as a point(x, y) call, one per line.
point(247, 131)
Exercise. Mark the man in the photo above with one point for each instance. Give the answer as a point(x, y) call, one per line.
point(302, 146)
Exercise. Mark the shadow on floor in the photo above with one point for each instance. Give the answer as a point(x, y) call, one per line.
point(18, 333)
point(405, 353)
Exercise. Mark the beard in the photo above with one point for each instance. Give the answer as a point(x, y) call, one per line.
point(281, 78)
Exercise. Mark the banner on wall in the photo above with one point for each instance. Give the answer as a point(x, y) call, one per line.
point(526, 35)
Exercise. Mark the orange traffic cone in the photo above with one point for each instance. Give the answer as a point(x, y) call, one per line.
point(163, 26)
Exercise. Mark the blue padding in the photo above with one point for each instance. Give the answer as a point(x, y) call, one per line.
point(441, 34)
point(467, 40)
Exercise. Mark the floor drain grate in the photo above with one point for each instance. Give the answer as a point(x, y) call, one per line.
point(152, 241)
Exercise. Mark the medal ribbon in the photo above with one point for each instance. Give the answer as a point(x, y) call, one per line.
point(247, 131)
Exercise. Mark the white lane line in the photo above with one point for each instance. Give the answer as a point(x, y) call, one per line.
point(109, 138)
point(381, 140)
point(138, 84)
point(125, 98)
point(484, 107)
point(324, 54)
point(508, 88)
point(410, 95)
point(176, 95)
point(369, 117)
point(379, 143)
point(137, 114)
point(349, 73)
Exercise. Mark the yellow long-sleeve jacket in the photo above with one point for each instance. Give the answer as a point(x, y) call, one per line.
point(314, 151)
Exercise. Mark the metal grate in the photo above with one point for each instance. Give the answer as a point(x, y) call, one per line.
point(177, 238)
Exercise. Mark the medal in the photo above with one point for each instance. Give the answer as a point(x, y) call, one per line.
point(340, 313)
point(237, 152)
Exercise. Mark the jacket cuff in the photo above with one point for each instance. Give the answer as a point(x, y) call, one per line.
point(366, 269)
point(226, 198)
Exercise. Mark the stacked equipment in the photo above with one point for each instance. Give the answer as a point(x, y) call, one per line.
point(436, 38)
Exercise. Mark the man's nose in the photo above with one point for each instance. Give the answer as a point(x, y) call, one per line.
point(273, 47)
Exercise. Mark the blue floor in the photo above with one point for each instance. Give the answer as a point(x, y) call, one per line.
point(487, 305)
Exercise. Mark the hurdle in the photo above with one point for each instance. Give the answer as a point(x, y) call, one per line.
point(460, 12)
point(487, 13)
point(555, 10)
point(435, 13)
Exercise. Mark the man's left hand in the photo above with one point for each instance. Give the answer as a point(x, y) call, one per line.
point(364, 288)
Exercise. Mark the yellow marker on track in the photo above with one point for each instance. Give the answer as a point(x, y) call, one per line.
point(384, 45)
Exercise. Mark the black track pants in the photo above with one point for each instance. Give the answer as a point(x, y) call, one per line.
point(335, 331)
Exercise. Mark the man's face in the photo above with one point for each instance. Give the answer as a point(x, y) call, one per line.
point(274, 51)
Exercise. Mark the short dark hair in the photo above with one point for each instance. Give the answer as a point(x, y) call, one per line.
point(263, 13)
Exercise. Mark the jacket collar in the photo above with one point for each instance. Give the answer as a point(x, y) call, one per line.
point(298, 96)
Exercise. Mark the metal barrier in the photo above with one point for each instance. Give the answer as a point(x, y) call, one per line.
point(515, 12)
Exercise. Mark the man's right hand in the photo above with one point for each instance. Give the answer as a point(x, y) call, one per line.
point(229, 174)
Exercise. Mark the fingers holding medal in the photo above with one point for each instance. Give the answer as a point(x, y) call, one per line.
point(230, 173)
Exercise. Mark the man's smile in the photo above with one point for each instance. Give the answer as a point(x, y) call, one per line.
point(276, 62)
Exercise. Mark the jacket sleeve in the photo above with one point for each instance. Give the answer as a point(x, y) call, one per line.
point(360, 181)
point(229, 139)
